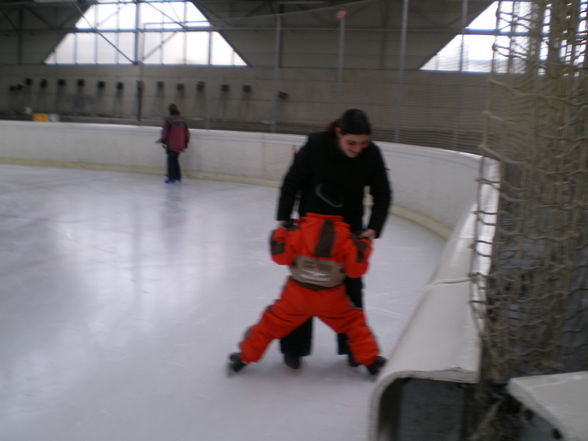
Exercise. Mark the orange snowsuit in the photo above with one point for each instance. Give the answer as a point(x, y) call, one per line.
point(320, 250)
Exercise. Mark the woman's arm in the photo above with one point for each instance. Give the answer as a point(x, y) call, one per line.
point(381, 192)
point(296, 178)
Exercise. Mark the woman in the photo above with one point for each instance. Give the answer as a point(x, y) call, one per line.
point(343, 156)
point(175, 137)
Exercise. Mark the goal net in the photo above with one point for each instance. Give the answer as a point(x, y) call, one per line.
point(535, 303)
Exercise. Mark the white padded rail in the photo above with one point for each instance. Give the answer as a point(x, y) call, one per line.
point(441, 340)
point(239, 155)
point(560, 399)
point(432, 186)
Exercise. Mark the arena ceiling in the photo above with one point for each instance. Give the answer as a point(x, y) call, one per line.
point(293, 33)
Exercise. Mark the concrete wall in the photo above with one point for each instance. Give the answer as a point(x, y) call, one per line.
point(432, 186)
point(429, 105)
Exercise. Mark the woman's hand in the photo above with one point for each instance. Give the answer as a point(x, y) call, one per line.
point(369, 233)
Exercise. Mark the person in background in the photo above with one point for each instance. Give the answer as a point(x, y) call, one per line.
point(345, 156)
point(320, 250)
point(175, 138)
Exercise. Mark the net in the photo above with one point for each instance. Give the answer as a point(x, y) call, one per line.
point(535, 304)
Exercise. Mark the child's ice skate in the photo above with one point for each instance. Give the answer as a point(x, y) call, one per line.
point(377, 365)
point(235, 363)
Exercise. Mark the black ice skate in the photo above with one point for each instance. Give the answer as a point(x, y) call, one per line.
point(235, 363)
point(377, 365)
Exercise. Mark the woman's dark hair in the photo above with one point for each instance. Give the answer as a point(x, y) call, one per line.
point(173, 109)
point(353, 122)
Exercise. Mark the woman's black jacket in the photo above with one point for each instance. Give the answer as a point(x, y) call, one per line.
point(321, 161)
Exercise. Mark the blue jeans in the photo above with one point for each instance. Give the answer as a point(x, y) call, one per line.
point(173, 165)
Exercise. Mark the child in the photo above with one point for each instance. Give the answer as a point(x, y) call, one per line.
point(320, 250)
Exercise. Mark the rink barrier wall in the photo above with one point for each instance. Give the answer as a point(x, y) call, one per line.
point(420, 394)
point(438, 349)
point(432, 186)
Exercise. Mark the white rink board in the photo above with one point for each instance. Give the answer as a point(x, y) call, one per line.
point(431, 186)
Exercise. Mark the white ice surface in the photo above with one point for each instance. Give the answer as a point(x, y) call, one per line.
point(120, 298)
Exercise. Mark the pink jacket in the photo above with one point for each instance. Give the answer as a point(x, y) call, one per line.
point(175, 134)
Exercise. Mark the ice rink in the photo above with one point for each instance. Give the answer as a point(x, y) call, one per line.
point(121, 298)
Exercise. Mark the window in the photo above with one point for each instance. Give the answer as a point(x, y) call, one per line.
point(469, 52)
point(472, 51)
point(166, 32)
